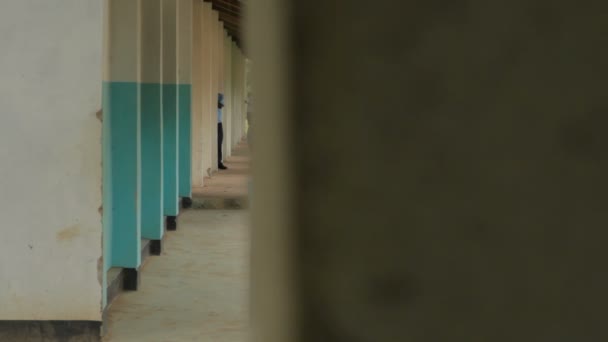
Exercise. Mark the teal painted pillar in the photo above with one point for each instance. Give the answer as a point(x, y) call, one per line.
point(122, 164)
point(185, 140)
point(170, 149)
point(170, 109)
point(184, 91)
point(123, 105)
point(152, 224)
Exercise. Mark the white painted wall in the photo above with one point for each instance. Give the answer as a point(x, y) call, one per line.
point(50, 159)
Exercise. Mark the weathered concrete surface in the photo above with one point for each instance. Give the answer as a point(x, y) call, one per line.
point(50, 159)
point(197, 290)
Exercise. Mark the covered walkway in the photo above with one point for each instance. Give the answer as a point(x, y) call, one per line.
point(228, 189)
point(424, 170)
point(125, 109)
point(198, 289)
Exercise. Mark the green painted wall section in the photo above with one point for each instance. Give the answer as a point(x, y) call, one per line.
point(152, 225)
point(122, 110)
point(185, 139)
point(170, 149)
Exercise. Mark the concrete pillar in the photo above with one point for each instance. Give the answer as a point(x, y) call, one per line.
point(273, 240)
point(246, 92)
point(235, 93)
point(243, 72)
point(208, 110)
point(228, 93)
point(242, 90)
point(455, 171)
point(170, 109)
point(152, 224)
point(198, 170)
point(213, 46)
point(51, 265)
point(122, 111)
point(185, 9)
point(221, 81)
point(238, 96)
point(243, 86)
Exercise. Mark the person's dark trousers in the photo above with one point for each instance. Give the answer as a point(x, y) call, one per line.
point(220, 141)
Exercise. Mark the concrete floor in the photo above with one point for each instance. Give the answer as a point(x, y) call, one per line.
point(231, 183)
point(198, 289)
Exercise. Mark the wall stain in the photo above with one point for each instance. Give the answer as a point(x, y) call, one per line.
point(69, 233)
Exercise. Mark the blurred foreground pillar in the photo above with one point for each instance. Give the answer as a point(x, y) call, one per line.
point(429, 171)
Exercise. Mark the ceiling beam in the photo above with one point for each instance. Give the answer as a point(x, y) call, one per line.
point(222, 8)
point(233, 32)
point(229, 4)
point(230, 18)
point(233, 28)
point(232, 25)
point(233, 17)
point(230, 14)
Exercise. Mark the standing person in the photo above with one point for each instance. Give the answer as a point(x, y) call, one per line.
point(220, 131)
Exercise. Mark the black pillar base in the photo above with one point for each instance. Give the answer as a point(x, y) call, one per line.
point(186, 202)
point(131, 279)
point(172, 223)
point(156, 247)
